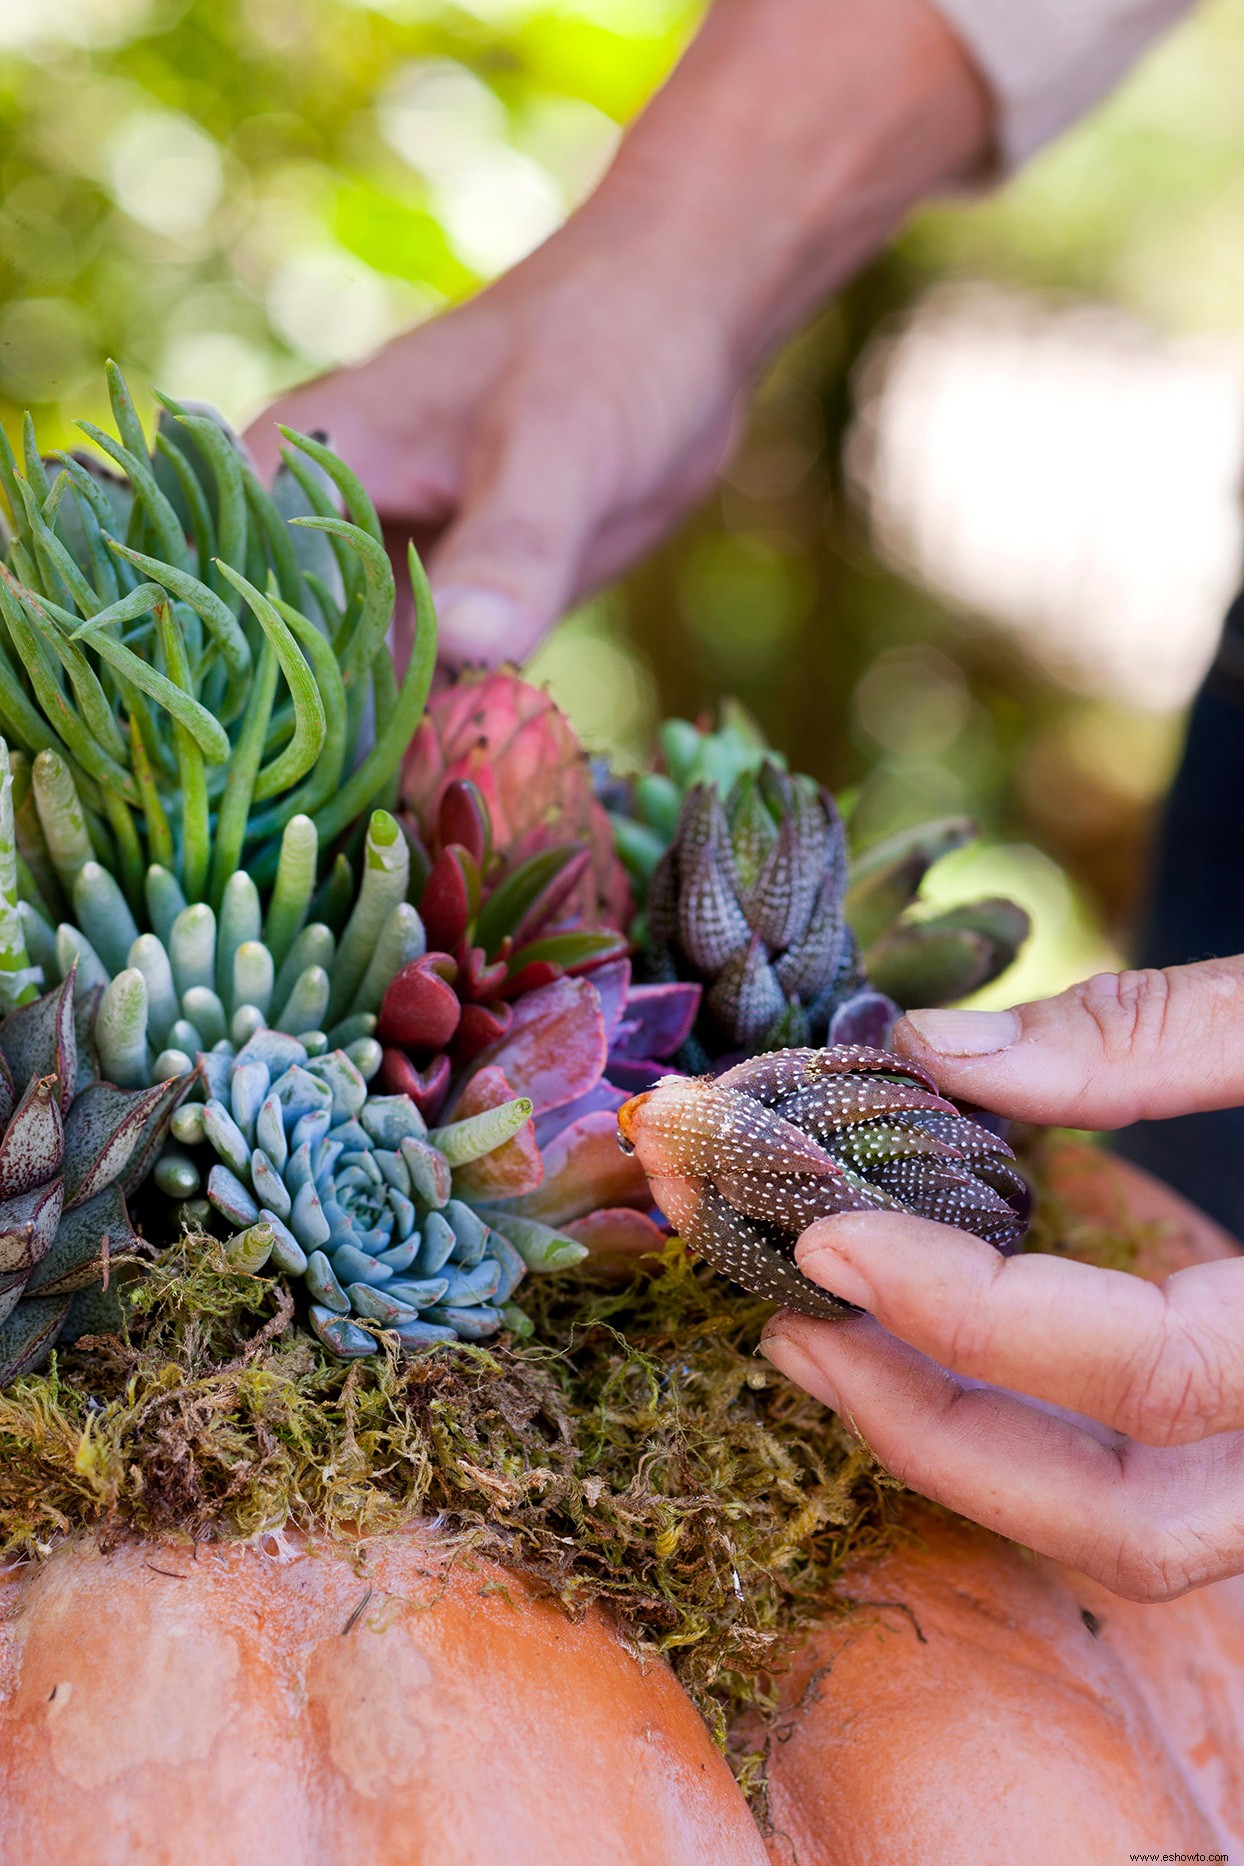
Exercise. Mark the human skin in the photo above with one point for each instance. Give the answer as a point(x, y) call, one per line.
point(1090, 1415)
point(546, 434)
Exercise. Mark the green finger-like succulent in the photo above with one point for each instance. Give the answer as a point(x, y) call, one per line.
point(189, 661)
point(72, 1147)
point(353, 1194)
point(207, 977)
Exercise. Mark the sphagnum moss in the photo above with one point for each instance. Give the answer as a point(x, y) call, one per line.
point(648, 1461)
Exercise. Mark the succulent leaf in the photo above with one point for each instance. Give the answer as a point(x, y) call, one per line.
point(102, 1131)
point(39, 1039)
point(75, 1259)
point(946, 956)
point(28, 1224)
point(62, 1204)
point(886, 877)
point(742, 1164)
point(33, 1148)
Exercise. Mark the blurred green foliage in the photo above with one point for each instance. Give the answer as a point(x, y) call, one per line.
point(228, 195)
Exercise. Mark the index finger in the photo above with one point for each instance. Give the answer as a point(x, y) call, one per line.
point(1120, 1047)
point(1161, 1362)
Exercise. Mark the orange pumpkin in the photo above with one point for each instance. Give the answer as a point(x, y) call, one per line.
point(164, 1708)
point(978, 1704)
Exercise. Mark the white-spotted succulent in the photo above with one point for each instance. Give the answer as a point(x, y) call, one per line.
point(355, 1195)
point(748, 889)
point(742, 1164)
point(748, 898)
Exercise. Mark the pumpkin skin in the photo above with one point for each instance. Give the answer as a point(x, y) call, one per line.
point(163, 1709)
point(1009, 1727)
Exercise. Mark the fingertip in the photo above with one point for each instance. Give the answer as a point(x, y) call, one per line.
point(784, 1344)
point(822, 1253)
point(483, 626)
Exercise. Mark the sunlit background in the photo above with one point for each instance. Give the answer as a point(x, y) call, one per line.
point(976, 547)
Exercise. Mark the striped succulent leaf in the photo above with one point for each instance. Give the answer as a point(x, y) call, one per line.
point(742, 1164)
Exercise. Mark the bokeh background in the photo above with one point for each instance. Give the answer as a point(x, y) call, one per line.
point(976, 547)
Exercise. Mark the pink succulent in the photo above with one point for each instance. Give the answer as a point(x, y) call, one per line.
point(512, 741)
point(565, 1168)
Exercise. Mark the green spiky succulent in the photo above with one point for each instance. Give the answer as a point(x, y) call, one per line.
point(354, 1195)
point(190, 669)
point(72, 1147)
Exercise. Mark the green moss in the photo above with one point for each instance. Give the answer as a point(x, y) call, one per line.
point(642, 1457)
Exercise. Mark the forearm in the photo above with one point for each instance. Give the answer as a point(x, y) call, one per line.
point(789, 144)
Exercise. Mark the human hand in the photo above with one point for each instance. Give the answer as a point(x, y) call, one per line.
point(1110, 1434)
point(543, 436)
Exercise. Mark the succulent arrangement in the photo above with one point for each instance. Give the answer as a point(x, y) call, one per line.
point(205, 729)
point(360, 966)
point(744, 1163)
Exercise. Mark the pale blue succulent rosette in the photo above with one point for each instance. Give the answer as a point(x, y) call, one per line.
point(354, 1195)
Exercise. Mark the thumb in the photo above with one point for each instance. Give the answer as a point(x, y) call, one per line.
point(1121, 1047)
point(511, 562)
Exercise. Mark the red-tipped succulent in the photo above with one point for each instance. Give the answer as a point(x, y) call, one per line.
point(514, 744)
point(526, 986)
point(494, 937)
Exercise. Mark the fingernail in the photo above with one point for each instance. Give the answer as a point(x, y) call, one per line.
point(828, 1268)
point(789, 1359)
point(965, 1033)
point(481, 624)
